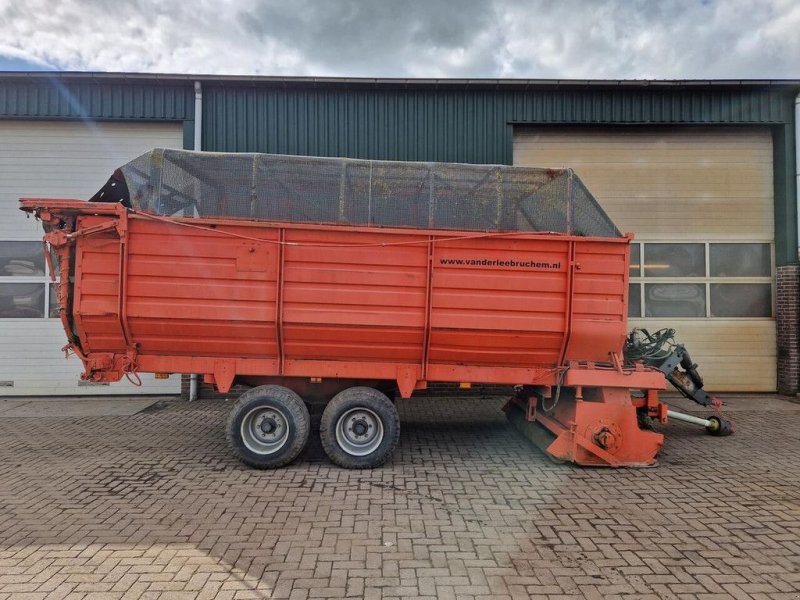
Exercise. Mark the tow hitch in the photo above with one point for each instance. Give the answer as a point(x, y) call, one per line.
point(659, 350)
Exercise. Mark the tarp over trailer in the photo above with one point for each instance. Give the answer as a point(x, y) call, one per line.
point(301, 189)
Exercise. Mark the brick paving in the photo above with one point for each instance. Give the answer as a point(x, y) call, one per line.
point(154, 506)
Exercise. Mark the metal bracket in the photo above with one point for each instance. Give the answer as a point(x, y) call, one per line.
point(112, 224)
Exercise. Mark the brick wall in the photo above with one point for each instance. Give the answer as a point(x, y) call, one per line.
point(788, 328)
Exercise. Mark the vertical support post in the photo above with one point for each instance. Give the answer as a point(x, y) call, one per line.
point(426, 343)
point(369, 197)
point(430, 197)
point(342, 188)
point(570, 201)
point(562, 353)
point(279, 301)
point(122, 288)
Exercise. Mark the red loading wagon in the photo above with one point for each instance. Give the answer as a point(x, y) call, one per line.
point(346, 281)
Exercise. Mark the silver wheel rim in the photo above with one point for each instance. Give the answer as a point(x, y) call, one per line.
point(265, 430)
point(359, 431)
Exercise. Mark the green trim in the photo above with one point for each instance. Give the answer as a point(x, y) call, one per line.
point(62, 98)
point(784, 184)
point(188, 135)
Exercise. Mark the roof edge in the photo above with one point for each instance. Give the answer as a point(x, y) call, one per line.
point(167, 78)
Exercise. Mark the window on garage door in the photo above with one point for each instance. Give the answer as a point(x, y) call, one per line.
point(25, 290)
point(701, 280)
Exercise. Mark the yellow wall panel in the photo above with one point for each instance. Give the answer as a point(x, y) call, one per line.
point(681, 184)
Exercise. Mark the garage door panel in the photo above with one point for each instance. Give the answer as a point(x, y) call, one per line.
point(727, 337)
point(619, 154)
point(668, 183)
point(67, 160)
point(690, 184)
point(61, 160)
point(668, 220)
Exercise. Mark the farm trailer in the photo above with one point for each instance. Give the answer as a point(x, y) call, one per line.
point(347, 281)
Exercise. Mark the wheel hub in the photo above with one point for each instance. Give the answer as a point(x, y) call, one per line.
point(360, 428)
point(265, 430)
point(268, 426)
point(359, 431)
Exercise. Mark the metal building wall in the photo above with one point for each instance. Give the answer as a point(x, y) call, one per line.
point(471, 123)
point(462, 124)
point(428, 120)
point(86, 97)
point(420, 120)
point(55, 97)
point(379, 124)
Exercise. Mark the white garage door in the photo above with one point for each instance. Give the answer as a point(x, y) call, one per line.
point(55, 160)
point(700, 201)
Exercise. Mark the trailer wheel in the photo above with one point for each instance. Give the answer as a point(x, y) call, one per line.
point(360, 428)
point(268, 427)
point(719, 426)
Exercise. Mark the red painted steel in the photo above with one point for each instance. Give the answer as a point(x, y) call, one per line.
point(227, 298)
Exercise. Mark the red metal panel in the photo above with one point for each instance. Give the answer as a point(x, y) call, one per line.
point(599, 300)
point(224, 296)
point(186, 294)
point(345, 302)
point(499, 301)
point(314, 341)
point(96, 289)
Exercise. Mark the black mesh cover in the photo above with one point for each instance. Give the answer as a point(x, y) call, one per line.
point(305, 189)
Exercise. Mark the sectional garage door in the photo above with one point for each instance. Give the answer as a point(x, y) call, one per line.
point(700, 201)
point(56, 160)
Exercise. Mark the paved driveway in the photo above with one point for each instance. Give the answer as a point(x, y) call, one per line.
point(153, 506)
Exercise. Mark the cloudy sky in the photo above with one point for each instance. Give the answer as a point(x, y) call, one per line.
point(408, 38)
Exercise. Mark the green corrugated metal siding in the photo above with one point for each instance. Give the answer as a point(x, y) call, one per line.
point(452, 125)
point(468, 123)
point(59, 98)
point(429, 121)
point(376, 124)
point(784, 189)
point(476, 125)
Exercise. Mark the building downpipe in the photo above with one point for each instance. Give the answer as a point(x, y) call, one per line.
point(193, 379)
point(198, 145)
point(198, 116)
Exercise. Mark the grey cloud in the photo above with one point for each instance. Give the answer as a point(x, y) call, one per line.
point(674, 39)
point(368, 38)
point(415, 38)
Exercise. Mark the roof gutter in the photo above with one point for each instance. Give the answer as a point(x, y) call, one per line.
point(209, 79)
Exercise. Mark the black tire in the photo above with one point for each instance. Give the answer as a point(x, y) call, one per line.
point(720, 426)
point(268, 427)
point(360, 428)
